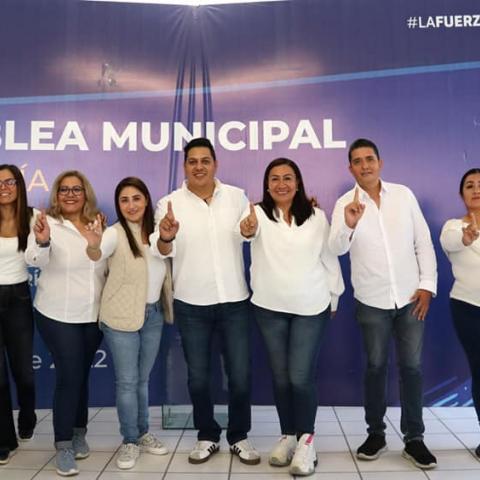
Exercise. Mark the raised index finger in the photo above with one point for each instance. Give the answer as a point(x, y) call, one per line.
point(355, 197)
point(252, 209)
point(170, 210)
point(474, 220)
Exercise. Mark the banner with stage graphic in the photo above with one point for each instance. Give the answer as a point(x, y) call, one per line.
point(117, 89)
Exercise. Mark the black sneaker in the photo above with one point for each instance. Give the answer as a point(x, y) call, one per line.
point(372, 447)
point(25, 435)
point(417, 452)
point(5, 455)
point(477, 452)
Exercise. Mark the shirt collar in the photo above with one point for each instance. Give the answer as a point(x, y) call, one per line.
point(365, 196)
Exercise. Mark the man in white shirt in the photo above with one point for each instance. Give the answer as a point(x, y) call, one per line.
point(199, 222)
point(394, 275)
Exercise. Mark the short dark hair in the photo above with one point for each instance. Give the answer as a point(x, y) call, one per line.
point(302, 208)
point(464, 178)
point(23, 213)
point(359, 143)
point(199, 142)
point(148, 222)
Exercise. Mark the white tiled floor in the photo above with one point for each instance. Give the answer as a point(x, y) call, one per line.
point(451, 433)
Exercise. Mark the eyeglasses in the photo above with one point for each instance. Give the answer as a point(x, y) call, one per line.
point(9, 182)
point(77, 190)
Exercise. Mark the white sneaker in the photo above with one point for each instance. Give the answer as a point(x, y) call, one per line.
point(283, 451)
point(127, 455)
point(246, 453)
point(202, 451)
point(305, 458)
point(151, 444)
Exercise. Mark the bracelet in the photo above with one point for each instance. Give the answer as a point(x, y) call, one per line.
point(44, 244)
point(166, 241)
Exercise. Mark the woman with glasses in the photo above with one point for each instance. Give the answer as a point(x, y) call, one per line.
point(66, 306)
point(296, 282)
point(16, 319)
point(131, 314)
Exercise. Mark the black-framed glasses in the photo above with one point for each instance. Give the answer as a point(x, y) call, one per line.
point(9, 182)
point(76, 190)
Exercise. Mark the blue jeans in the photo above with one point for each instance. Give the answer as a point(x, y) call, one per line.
point(73, 346)
point(378, 326)
point(133, 355)
point(197, 325)
point(293, 343)
point(466, 319)
point(16, 343)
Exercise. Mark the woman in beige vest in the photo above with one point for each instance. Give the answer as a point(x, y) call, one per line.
point(131, 315)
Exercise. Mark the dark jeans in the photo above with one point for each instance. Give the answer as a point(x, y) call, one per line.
point(197, 325)
point(293, 343)
point(72, 347)
point(466, 318)
point(16, 343)
point(378, 326)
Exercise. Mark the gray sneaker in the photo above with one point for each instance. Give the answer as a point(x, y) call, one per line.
point(79, 443)
point(65, 462)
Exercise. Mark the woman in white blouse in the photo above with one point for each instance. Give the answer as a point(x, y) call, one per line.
point(66, 307)
point(296, 283)
point(131, 315)
point(16, 317)
point(459, 240)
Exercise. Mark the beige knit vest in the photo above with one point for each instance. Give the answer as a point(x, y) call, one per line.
point(125, 293)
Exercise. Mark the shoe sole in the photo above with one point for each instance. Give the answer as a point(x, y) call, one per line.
point(81, 456)
point(419, 465)
point(10, 455)
point(364, 456)
point(254, 461)
point(24, 439)
point(274, 462)
point(70, 473)
point(296, 471)
point(196, 461)
point(156, 451)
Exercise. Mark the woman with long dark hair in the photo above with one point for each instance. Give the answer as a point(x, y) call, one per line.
point(296, 282)
point(16, 316)
point(131, 314)
point(66, 306)
point(459, 240)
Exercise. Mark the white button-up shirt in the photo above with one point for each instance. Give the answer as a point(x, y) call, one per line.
point(70, 284)
point(391, 251)
point(293, 269)
point(208, 264)
point(465, 262)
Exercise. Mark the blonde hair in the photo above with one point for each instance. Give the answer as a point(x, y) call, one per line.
point(90, 209)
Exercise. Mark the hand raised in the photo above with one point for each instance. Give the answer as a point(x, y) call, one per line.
point(94, 232)
point(470, 232)
point(41, 229)
point(168, 225)
point(354, 211)
point(249, 225)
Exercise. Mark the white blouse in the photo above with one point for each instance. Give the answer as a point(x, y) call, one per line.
point(465, 262)
point(293, 269)
point(70, 284)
